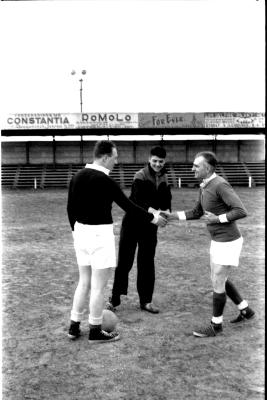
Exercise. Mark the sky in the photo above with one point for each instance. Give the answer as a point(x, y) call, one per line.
point(139, 56)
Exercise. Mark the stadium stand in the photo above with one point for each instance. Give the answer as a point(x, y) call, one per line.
point(257, 171)
point(180, 174)
point(26, 175)
point(235, 173)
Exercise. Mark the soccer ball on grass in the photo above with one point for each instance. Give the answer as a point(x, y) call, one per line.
point(110, 321)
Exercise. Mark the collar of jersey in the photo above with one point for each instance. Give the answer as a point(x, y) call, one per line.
point(98, 168)
point(206, 181)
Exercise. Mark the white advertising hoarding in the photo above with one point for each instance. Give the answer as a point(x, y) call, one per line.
point(70, 121)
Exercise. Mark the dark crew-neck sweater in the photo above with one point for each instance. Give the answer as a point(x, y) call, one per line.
point(90, 197)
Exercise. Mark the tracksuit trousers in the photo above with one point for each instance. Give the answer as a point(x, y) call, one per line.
point(131, 236)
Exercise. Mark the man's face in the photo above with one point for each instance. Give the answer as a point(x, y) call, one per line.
point(156, 163)
point(110, 161)
point(201, 168)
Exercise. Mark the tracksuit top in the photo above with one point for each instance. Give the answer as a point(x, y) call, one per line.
point(90, 197)
point(150, 190)
point(219, 197)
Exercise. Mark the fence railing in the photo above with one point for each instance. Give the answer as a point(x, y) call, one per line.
point(179, 174)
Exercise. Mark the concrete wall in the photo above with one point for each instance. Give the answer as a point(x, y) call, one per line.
point(41, 153)
point(196, 147)
point(129, 151)
point(252, 151)
point(227, 151)
point(68, 152)
point(13, 153)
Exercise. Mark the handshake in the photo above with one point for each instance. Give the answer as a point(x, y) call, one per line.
point(163, 217)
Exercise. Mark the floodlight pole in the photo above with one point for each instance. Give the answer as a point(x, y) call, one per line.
point(81, 103)
point(81, 95)
point(83, 72)
point(215, 144)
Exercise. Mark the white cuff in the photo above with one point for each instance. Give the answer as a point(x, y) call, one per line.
point(155, 219)
point(95, 320)
point(223, 218)
point(181, 215)
point(242, 305)
point(217, 320)
point(75, 316)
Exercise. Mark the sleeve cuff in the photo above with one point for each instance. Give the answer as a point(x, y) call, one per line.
point(222, 218)
point(155, 219)
point(181, 215)
point(154, 212)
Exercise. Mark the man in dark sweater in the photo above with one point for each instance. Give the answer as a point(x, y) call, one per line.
point(90, 198)
point(219, 206)
point(151, 191)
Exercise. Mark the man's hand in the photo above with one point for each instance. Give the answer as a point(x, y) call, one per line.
point(164, 213)
point(161, 221)
point(171, 216)
point(210, 218)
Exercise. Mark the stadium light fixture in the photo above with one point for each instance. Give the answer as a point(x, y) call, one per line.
point(83, 72)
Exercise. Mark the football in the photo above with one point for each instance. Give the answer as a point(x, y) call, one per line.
point(110, 321)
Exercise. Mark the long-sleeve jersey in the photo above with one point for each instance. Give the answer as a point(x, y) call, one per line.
point(219, 198)
point(90, 198)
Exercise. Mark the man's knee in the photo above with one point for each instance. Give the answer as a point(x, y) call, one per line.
point(218, 285)
point(100, 278)
point(84, 285)
point(219, 274)
point(96, 292)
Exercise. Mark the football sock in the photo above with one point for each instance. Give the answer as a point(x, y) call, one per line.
point(242, 305)
point(219, 300)
point(217, 320)
point(75, 316)
point(95, 320)
point(232, 292)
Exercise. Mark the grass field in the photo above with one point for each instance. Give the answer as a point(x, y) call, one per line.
point(157, 358)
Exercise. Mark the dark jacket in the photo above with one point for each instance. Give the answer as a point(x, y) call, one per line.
point(151, 190)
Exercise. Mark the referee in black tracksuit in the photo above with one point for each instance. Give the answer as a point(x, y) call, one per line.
point(151, 191)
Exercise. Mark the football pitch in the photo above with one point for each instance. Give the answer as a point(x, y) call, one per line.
point(157, 357)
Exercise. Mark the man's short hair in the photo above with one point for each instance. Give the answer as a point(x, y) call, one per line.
point(103, 147)
point(210, 157)
point(158, 151)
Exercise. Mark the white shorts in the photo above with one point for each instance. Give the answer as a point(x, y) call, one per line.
point(95, 245)
point(226, 253)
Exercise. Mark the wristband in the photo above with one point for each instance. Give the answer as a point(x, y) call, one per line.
point(222, 218)
point(181, 215)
